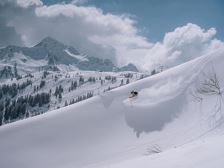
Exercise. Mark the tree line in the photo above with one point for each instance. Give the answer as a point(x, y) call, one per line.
point(12, 109)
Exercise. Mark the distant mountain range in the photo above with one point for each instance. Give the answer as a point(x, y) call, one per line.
point(52, 54)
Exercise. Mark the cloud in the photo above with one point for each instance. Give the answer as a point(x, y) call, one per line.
point(183, 44)
point(88, 28)
point(8, 34)
point(100, 34)
point(79, 2)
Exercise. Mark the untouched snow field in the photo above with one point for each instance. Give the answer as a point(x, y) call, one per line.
point(169, 124)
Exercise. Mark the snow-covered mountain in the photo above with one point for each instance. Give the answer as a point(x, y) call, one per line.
point(53, 55)
point(175, 121)
point(51, 75)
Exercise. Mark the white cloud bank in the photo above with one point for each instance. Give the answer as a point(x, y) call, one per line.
point(103, 34)
point(183, 44)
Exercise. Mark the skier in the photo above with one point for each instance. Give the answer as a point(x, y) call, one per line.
point(132, 97)
point(133, 94)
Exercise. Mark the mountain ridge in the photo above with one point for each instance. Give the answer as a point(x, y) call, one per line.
point(57, 53)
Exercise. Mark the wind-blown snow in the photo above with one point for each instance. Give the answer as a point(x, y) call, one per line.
point(111, 130)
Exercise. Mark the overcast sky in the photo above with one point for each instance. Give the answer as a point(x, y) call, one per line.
point(147, 33)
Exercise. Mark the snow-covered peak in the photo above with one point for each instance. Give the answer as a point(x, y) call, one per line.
point(57, 53)
point(49, 42)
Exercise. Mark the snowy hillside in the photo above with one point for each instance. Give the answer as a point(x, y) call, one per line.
point(175, 121)
point(36, 93)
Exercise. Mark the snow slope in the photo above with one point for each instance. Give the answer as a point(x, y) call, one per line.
point(202, 153)
point(79, 57)
point(26, 64)
point(103, 81)
point(111, 130)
